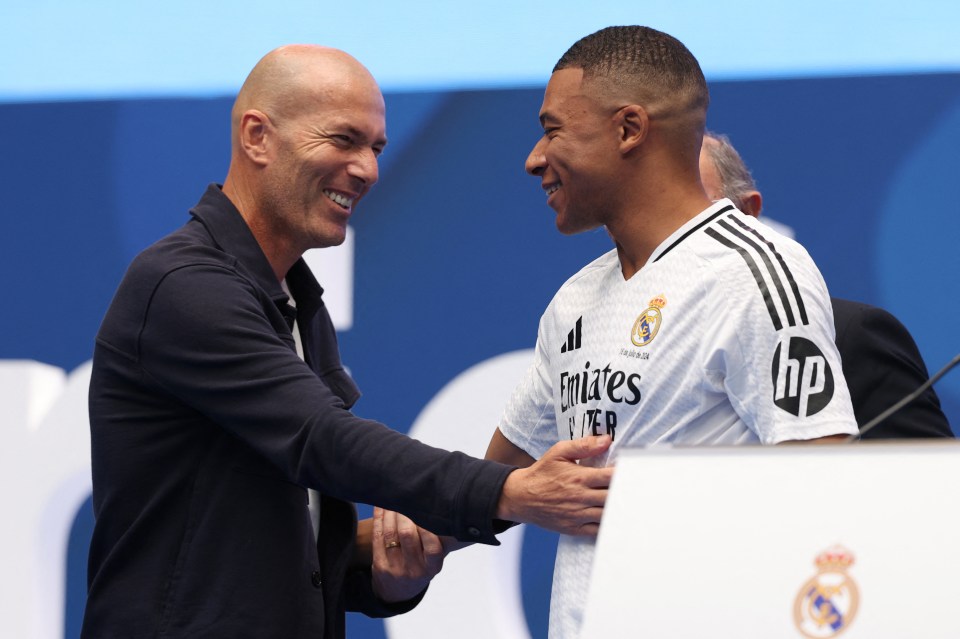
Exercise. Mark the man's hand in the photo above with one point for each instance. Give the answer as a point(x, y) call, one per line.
point(558, 494)
point(405, 556)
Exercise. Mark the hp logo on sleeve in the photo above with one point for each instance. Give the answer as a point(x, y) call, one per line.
point(802, 379)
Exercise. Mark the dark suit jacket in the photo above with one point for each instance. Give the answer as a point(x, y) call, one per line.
point(882, 364)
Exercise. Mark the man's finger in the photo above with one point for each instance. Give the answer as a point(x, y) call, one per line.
point(582, 448)
point(590, 498)
point(409, 541)
point(391, 538)
point(377, 521)
point(433, 553)
point(591, 515)
point(376, 541)
point(432, 544)
point(597, 478)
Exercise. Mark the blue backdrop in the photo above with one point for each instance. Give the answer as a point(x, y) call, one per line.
point(456, 251)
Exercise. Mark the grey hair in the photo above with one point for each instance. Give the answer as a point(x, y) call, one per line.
point(735, 178)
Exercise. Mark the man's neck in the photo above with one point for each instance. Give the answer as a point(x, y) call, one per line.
point(639, 232)
point(280, 256)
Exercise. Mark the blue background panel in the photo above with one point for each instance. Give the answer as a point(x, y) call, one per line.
point(456, 250)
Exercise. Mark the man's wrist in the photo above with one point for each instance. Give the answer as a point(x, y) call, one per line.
point(507, 507)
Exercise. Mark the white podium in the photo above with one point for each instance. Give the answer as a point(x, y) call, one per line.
point(859, 541)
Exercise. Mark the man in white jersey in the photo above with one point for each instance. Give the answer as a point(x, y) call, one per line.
point(702, 326)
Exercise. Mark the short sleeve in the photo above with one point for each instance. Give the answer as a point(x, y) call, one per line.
point(529, 419)
point(783, 373)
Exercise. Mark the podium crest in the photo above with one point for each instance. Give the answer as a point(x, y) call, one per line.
point(827, 603)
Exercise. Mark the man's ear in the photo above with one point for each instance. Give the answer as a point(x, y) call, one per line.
point(752, 203)
point(256, 136)
point(633, 122)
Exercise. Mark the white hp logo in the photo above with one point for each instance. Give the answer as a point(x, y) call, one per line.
point(802, 379)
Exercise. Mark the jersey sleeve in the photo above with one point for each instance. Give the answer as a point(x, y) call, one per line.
point(782, 370)
point(529, 419)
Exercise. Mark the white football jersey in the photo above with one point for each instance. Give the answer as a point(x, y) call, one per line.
point(725, 336)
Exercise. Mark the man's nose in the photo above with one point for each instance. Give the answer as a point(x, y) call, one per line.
point(536, 161)
point(365, 167)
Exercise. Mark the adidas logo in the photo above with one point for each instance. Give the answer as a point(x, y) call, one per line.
point(573, 337)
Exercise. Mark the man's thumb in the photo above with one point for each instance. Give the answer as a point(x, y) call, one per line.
point(583, 448)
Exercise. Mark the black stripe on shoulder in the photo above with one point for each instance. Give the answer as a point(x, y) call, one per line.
point(774, 276)
point(752, 265)
point(801, 308)
point(694, 229)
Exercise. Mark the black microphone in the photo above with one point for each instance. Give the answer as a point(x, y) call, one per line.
point(906, 400)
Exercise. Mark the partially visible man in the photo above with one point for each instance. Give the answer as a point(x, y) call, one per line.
point(881, 361)
point(217, 399)
point(700, 327)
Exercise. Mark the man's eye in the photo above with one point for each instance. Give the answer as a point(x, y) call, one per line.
point(343, 139)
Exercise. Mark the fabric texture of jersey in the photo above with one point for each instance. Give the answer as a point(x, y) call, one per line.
point(725, 336)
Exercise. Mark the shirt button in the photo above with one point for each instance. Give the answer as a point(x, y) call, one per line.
point(315, 579)
point(474, 531)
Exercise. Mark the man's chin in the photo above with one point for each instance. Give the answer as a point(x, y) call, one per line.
point(329, 238)
point(572, 227)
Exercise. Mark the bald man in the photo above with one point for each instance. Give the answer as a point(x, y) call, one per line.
point(881, 361)
point(699, 327)
point(217, 399)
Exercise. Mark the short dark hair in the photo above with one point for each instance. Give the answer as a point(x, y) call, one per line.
point(641, 56)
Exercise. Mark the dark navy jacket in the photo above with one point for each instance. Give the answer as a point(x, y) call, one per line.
point(207, 428)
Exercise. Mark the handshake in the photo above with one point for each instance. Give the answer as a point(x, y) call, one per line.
point(554, 492)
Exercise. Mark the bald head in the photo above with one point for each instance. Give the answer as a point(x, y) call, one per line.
point(307, 128)
point(296, 77)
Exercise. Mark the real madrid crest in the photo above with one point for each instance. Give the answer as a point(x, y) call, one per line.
point(827, 604)
point(647, 325)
